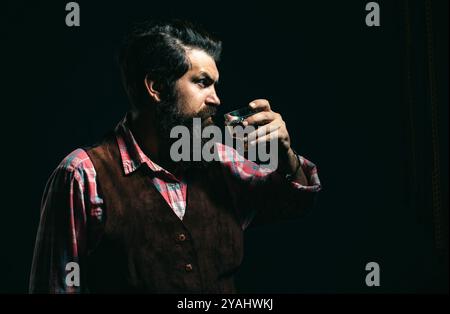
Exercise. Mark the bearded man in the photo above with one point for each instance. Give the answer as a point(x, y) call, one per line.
point(122, 216)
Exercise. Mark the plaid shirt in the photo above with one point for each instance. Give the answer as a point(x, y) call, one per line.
point(72, 194)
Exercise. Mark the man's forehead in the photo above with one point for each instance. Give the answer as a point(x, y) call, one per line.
point(202, 63)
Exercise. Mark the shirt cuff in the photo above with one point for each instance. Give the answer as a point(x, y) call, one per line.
point(310, 170)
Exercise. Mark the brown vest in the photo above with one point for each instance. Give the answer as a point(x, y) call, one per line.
point(142, 246)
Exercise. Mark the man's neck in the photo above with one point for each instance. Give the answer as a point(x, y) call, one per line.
point(143, 127)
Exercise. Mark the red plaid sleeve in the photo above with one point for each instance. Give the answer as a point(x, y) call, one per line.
point(260, 192)
point(250, 171)
point(70, 195)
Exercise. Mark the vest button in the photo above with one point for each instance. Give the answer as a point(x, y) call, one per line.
point(188, 267)
point(181, 237)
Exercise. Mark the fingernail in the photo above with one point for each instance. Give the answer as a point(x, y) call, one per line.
point(244, 123)
point(252, 104)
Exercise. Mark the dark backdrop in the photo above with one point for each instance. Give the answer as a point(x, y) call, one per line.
point(369, 105)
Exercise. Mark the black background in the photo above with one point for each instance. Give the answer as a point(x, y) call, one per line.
point(357, 101)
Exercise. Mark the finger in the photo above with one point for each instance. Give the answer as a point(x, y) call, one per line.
point(260, 104)
point(265, 138)
point(261, 131)
point(260, 118)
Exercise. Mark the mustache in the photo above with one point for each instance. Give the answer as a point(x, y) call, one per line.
point(205, 113)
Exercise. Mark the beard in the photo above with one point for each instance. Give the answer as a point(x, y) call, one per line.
point(169, 114)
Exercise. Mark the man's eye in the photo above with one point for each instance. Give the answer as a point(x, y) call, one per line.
point(203, 82)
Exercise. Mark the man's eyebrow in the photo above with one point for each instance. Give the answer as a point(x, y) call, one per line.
point(209, 77)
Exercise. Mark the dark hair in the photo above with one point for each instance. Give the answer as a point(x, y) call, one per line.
point(158, 49)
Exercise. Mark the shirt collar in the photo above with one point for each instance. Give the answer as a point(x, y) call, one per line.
point(130, 152)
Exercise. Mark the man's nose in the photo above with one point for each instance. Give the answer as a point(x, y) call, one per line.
point(212, 98)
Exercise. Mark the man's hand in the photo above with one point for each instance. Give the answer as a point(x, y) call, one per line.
point(271, 125)
point(268, 122)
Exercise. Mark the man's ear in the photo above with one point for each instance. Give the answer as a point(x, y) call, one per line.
point(152, 89)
